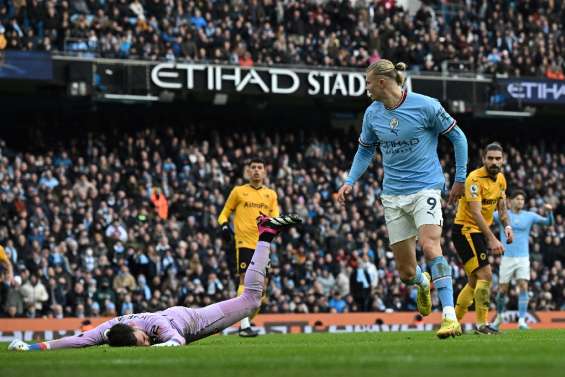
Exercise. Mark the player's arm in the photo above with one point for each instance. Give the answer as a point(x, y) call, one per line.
point(474, 198)
point(504, 219)
point(496, 219)
point(444, 124)
point(492, 242)
point(6, 265)
point(229, 207)
point(460, 148)
point(548, 220)
point(224, 218)
point(94, 337)
point(275, 206)
point(368, 142)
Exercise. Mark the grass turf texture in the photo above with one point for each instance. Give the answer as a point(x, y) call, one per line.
point(367, 354)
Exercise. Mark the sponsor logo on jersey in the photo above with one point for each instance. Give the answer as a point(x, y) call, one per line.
point(255, 205)
point(399, 146)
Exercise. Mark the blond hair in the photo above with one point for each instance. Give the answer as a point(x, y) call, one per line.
point(387, 68)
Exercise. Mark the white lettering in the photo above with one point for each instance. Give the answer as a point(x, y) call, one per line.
point(275, 72)
point(515, 90)
point(528, 86)
point(555, 90)
point(236, 77)
point(156, 76)
point(326, 76)
point(359, 79)
point(339, 85)
point(536, 90)
point(252, 77)
point(313, 82)
point(210, 77)
point(190, 68)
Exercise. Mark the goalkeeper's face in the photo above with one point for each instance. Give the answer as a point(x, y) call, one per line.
point(141, 337)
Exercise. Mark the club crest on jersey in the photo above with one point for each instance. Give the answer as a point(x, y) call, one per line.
point(394, 125)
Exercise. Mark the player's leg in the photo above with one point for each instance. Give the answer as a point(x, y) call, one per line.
point(264, 298)
point(235, 309)
point(500, 304)
point(506, 271)
point(402, 233)
point(482, 299)
point(465, 299)
point(523, 300)
point(411, 274)
point(429, 220)
point(429, 240)
point(244, 257)
point(466, 253)
point(523, 276)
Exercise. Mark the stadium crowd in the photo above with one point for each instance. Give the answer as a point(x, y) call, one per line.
point(111, 224)
point(514, 37)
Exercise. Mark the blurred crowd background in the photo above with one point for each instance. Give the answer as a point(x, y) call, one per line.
point(509, 38)
point(121, 221)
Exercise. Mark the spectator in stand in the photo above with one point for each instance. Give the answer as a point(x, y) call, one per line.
point(87, 232)
point(513, 38)
point(34, 294)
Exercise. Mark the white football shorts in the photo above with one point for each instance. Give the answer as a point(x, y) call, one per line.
point(518, 267)
point(405, 214)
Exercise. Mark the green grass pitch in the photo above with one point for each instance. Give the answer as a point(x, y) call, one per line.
point(417, 354)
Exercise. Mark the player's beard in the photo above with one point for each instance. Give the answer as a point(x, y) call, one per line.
point(493, 170)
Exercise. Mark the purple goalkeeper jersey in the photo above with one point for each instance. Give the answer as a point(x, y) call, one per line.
point(177, 323)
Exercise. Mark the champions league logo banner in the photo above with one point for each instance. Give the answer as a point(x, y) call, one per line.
point(281, 81)
point(534, 91)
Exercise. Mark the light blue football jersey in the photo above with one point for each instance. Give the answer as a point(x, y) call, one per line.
point(407, 136)
point(521, 223)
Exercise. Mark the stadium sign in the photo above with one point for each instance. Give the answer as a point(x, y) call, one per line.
point(535, 91)
point(283, 81)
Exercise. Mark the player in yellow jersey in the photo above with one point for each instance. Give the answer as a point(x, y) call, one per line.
point(247, 202)
point(6, 266)
point(484, 192)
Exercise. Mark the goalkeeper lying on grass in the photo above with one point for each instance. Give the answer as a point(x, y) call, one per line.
point(180, 325)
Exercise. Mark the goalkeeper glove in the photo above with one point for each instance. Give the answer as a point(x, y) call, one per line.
point(18, 345)
point(227, 233)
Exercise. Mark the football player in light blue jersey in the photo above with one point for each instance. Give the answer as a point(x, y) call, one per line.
point(406, 127)
point(516, 259)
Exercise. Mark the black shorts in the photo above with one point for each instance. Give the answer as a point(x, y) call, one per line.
point(471, 248)
point(243, 257)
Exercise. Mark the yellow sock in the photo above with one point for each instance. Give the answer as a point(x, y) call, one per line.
point(482, 300)
point(464, 300)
